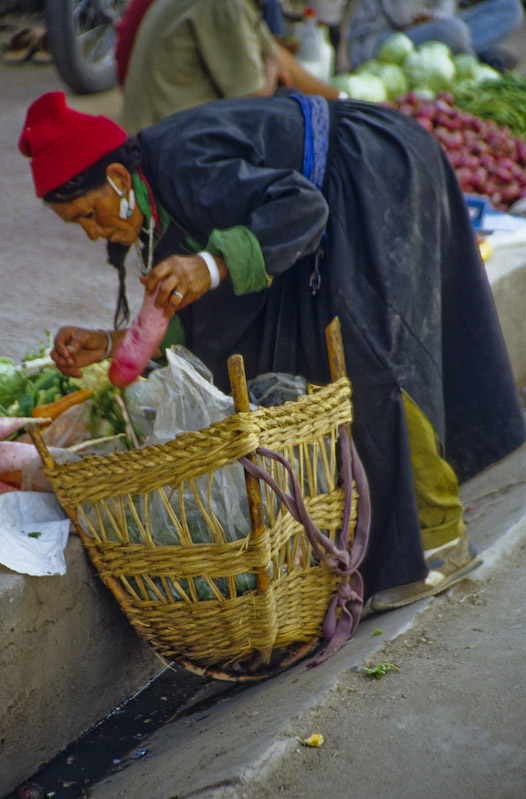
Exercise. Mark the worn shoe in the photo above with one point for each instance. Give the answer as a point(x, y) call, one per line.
point(447, 565)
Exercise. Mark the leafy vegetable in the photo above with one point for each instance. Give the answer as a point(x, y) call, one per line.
point(20, 392)
point(12, 383)
point(361, 87)
point(377, 672)
point(107, 416)
point(429, 68)
point(392, 76)
point(395, 49)
point(466, 65)
point(502, 99)
point(434, 46)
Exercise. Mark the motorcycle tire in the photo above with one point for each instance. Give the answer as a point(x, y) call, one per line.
point(81, 35)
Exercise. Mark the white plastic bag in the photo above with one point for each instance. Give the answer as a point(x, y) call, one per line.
point(33, 533)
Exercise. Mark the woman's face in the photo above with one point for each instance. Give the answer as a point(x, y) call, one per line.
point(97, 212)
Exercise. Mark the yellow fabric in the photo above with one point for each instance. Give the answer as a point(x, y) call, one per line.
point(436, 485)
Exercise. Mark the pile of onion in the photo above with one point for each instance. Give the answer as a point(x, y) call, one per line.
point(488, 159)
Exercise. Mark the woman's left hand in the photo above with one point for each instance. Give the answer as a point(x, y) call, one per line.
point(181, 279)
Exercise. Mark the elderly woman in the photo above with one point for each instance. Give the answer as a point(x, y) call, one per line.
point(259, 220)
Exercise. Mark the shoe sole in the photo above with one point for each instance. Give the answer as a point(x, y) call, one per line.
point(434, 590)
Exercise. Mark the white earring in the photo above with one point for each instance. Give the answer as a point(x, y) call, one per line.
point(123, 209)
point(127, 206)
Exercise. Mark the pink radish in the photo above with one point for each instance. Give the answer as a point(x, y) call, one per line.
point(14, 456)
point(139, 343)
point(10, 424)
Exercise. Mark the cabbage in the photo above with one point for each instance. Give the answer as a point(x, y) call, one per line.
point(436, 47)
point(429, 68)
point(466, 65)
point(368, 66)
point(391, 75)
point(395, 49)
point(485, 72)
point(361, 87)
point(425, 94)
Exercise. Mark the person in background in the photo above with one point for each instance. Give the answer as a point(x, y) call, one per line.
point(126, 32)
point(189, 52)
point(473, 26)
point(258, 221)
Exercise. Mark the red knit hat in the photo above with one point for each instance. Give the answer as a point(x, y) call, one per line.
point(62, 143)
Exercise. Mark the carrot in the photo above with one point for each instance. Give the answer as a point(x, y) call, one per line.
point(11, 478)
point(53, 409)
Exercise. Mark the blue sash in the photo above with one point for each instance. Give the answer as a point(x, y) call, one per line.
point(316, 114)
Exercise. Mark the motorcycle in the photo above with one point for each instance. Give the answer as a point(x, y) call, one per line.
point(81, 36)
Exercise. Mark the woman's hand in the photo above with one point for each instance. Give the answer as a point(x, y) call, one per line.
point(187, 275)
point(75, 347)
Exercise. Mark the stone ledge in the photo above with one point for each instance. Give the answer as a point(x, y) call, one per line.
point(68, 656)
point(506, 269)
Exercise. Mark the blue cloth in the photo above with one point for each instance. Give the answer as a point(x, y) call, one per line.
point(316, 114)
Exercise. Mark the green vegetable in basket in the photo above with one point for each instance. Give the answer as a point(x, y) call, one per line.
point(107, 415)
point(20, 393)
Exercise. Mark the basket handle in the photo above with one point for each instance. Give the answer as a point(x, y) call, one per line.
point(238, 384)
point(333, 337)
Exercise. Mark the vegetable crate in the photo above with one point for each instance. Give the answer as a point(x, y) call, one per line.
point(231, 609)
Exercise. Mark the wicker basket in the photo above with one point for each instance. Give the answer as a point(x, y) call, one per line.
point(185, 598)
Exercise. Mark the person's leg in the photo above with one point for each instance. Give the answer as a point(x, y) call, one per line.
point(451, 30)
point(492, 21)
point(448, 551)
point(436, 485)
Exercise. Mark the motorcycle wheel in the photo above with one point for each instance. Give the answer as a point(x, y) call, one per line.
point(81, 36)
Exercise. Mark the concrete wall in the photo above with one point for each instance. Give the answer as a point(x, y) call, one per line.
point(506, 270)
point(68, 656)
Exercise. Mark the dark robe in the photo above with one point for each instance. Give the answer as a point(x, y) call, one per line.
point(398, 263)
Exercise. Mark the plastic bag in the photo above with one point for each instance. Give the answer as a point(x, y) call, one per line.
point(276, 388)
point(33, 477)
point(33, 533)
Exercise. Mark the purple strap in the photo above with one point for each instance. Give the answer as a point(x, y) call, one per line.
point(349, 595)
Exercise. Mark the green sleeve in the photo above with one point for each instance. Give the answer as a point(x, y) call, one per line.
point(241, 252)
point(242, 255)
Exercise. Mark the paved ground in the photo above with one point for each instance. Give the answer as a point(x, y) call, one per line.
point(449, 725)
